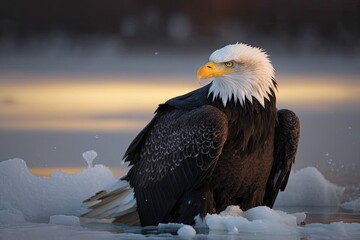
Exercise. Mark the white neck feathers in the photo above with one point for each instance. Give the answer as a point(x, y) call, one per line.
point(252, 78)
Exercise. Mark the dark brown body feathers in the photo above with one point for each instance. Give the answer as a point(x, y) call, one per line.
point(197, 157)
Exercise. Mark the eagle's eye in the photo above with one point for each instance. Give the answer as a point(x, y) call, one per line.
point(229, 64)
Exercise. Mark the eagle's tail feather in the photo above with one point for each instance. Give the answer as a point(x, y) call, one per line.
point(118, 204)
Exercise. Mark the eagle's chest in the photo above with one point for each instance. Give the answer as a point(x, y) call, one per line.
point(246, 160)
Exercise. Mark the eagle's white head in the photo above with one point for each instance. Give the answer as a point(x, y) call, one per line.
point(239, 72)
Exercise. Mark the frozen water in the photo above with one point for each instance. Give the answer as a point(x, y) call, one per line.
point(308, 187)
point(38, 198)
point(352, 205)
point(89, 157)
point(25, 199)
point(36, 231)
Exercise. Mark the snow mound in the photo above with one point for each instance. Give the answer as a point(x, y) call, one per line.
point(259, 220)
point(38, 198)
point(308, 187)
point(352, 205)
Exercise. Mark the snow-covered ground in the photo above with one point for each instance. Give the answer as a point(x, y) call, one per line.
point(33, 207)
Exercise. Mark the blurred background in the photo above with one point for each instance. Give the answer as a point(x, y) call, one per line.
point(87, 74)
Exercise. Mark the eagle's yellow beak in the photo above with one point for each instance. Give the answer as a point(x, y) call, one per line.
point(212, 69)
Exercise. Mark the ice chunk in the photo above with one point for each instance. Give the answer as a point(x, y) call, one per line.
point(335, 230)
point(9, 215)
point(64, 220)
point(186, 231)
point(300, 217)
point(235, 230)
point(259, 220)
point(232, 211)
point(38, 198)
point(89, 157)
point(227, 220)
point(308, 187)
point(227, 223)
point(352, 205)
point(266, 214)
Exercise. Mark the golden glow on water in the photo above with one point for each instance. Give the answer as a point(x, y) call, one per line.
point(66, 105)
point(318, 94)
point(44, 172)
point(72, 103)
point(80, 98)
point(72, 124)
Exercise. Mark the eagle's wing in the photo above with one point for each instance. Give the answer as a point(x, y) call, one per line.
point(171, 160)
point(287, 134)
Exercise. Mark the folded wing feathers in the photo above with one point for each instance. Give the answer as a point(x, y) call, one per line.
point(118, 202)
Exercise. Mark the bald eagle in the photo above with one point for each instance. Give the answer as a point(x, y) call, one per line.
point(222, 144)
